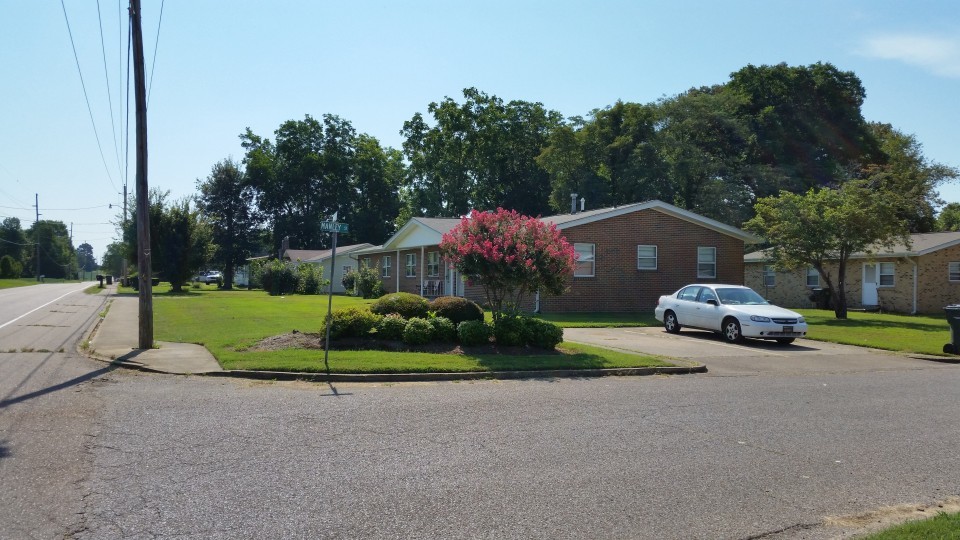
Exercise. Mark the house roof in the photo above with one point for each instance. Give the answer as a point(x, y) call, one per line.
point(423, 231)
point(320, 255)
point(920, 244)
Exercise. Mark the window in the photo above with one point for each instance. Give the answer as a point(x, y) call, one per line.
point(365, 262)
point(689, 294)
point(433, 263)
point(769, 276)
point(585, 260)
point(706, 262)
point(385, 269)
point(646, 257)
point(411, 265)
point(953, 270)
point(887, 270)
point(347, 269)
point(707, 295)
point(813, 277)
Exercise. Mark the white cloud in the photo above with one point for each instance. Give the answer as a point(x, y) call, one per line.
point(938, 55)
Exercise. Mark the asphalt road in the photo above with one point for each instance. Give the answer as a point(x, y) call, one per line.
point(767, 454)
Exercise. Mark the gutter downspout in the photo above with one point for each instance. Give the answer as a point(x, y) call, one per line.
point(421, 270)
point(536, 302)
point(398, 271)
point(915, 279)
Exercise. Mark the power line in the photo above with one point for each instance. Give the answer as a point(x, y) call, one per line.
point(17, 243)
point(59, 209)
point(85, 97)
point(106, 75)
point(156, 44)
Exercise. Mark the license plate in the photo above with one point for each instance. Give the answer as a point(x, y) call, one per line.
point(788, 329)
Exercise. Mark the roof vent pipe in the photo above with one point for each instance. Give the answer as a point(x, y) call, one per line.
point(573, 203)
point(583, 201)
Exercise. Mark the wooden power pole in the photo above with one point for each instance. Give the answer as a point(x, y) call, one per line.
point(143, 196)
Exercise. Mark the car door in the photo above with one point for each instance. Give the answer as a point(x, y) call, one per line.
point(706, 314)
point(685, 306)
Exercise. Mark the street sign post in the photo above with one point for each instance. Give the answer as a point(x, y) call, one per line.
point(331, 227)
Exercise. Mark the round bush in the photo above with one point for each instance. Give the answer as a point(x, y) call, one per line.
point(351, 322)
point(417, 332)
point(543, 334)
point(456, 309)
point(473, 333)
point(510, 331)
point(443, 329)
point(405, 304)
point(391, 327)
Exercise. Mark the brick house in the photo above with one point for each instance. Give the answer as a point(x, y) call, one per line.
point(921, 278)
point(628, 257)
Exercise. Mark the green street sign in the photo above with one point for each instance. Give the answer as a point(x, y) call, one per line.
point(330, 226)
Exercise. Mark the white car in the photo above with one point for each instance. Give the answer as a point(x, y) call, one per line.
point(211, 276)
point(733, 310)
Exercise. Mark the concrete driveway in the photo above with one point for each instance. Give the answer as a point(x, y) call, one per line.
point(750, 358)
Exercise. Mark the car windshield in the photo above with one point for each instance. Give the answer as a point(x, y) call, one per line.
point(738, 296)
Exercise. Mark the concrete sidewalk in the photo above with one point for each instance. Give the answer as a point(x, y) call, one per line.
point(115, 340)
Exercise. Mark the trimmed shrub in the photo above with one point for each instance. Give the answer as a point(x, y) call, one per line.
point(443, 329)
point(310, 279)
point(417, 332)
point(349, 282)
point(510, 331)
point(279, 278)
point(543, 334)
point(351, 322)
point(391, 327)
point(473, 333)
point(368, 284)
point(407, 305)
point(456, 309)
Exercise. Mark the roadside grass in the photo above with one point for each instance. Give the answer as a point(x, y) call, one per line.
point(943, 526)
point(227, 323)
point(93, 289)
point(924, 334)
point(21, 282)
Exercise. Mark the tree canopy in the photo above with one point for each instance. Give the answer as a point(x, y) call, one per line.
point(226, 201)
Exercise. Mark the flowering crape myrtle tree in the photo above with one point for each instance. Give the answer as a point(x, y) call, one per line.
point(509, 255)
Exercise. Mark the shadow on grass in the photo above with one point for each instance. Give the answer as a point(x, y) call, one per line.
point(545, 361)
point(880, 324)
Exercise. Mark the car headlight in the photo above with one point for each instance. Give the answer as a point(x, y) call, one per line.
point(758, 318)
point(800, 320)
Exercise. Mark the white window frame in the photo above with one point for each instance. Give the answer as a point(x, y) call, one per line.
point(702, 261)
point(953, 271)
point(385, 264)
point(411, 265)
point(433, 264)
point(892, 274)
point(769, 276)
point(647, 257)
point(814, 275)
point(591, 258)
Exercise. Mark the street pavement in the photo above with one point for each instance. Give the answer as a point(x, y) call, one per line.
point(93, 452)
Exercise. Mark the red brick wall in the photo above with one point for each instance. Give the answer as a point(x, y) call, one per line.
point(618, 286)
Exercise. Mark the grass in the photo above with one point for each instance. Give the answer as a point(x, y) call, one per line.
point(924, 334)
point(228, 322)
point(941, 527)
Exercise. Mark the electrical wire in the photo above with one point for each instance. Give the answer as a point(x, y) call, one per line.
point(59, 209)
point(17, 243)
point(106, 75)
point(156, 44)
point(85, 97)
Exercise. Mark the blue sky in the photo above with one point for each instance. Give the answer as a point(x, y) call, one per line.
point(223, 66)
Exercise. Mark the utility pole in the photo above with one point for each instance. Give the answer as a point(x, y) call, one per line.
point(123, 269)
point(145, 276)
point(36, 236)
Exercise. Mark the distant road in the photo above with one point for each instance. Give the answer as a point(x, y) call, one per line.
point(18, 302)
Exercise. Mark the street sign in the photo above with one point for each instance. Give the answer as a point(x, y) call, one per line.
point(332, 226)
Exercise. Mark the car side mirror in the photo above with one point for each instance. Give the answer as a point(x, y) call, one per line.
point(712, 302)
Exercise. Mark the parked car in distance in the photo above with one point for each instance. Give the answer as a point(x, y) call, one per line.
point(211, 276)
point(735, 311)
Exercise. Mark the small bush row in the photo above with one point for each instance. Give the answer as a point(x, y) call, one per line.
point(417, 330)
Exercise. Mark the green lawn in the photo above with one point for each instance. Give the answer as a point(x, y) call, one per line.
point(925, 334)
point(228, 322)
point(941, 527)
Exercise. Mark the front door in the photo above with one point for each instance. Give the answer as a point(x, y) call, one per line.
point(452, 283)
point(870, 296)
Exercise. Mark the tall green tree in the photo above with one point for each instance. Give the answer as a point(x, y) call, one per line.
point(226, 201)
point(828, 226)
point(479, 153)
point(377, 175)
point(13, 241)
point(57, 256)
point(112, 260)
point(86, 262)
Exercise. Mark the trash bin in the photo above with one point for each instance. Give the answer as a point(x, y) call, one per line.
point(109, 280)
point(821, 297)
point(953, 317)
point(100, 279)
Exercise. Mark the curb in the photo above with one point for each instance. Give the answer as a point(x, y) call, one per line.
point(462, 376)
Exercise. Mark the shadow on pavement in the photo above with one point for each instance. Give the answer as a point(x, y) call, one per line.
point(50, 389)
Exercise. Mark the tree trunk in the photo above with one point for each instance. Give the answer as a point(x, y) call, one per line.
point(840, 295)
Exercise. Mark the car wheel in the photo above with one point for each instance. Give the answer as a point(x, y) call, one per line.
point(670, 323)
point(731, 331)
point(785, 340)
